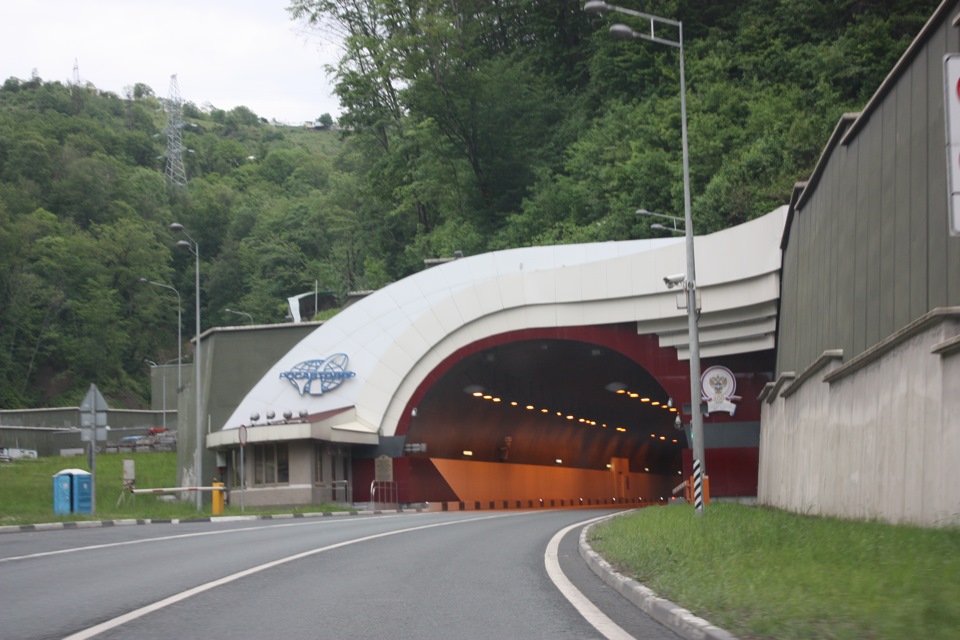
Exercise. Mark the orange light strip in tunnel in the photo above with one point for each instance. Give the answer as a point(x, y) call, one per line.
point(570, 417)
point(633, 395)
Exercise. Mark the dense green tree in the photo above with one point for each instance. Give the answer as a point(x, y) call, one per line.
point(464, 126)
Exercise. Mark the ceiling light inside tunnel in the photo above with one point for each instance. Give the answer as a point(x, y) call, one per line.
point(655, 403)
point(644, 399)
point(621, 430)
point(467, 452)
point(530, 407)
point(634, 395)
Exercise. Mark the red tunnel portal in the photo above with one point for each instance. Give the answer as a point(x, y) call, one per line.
point(544, 396)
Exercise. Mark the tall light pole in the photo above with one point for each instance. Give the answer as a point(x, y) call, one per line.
point(241, 313)
point(179, 324)
point(656, 226)
point(194, 247)
point(690, 286)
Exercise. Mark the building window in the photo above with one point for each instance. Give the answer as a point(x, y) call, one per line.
point(271, 464)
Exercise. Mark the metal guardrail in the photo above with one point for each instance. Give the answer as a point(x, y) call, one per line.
point(340, 490)
point(384, 494)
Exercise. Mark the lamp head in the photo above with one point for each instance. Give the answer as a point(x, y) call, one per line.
point(176, 226)
point(622, 32)
point(596, 6)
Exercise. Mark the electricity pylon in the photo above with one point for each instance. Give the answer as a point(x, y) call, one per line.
point(175, 174)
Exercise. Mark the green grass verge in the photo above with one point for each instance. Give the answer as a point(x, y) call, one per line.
point(763, 573)
point(26, 491)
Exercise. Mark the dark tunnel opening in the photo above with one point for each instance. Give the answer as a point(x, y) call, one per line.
point(549, 401)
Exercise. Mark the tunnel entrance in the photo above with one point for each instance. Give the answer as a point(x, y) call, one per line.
point(587, 404)
point(550, 402)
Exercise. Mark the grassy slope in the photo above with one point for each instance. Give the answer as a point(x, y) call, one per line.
point(762, 573)
point(26, 490)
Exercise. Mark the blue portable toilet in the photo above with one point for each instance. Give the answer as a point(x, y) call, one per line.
point(82, 501)
point(72, 491)
point(62, 493)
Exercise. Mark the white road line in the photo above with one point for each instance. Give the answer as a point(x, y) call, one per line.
point(610, 629)
point(108, 545)
point(166, 602)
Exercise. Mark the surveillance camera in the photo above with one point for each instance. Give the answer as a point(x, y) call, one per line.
point(674, 280)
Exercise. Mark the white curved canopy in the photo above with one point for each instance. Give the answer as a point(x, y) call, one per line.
point(394, 337)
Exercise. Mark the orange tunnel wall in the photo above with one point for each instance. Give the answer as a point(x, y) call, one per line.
point(470, 481)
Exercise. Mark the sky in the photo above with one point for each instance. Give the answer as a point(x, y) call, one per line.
point(226, 53)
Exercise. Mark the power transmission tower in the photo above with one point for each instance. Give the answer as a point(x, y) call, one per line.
point(175, 174)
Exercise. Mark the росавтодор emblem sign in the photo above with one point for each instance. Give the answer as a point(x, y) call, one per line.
point(314, 377)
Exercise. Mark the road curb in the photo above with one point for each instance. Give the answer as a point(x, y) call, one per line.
point(672, 616)
point(94, 524)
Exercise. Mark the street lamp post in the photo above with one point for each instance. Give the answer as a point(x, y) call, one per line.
point(194, 247)
point(179, 325)
point(240, 313)
point(656, 226)
point(696, 416)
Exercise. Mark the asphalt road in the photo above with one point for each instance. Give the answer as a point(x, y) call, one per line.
point(428, 576)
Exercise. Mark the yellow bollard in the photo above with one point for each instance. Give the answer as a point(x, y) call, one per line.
point(218, 499)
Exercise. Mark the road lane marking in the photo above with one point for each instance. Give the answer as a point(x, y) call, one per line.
point(599, 620)
point(183, 595)
point(108, 545)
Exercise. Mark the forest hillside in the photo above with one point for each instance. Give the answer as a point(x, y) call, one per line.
point(468, 126)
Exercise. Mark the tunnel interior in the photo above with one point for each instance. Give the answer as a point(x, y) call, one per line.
point(548, 401)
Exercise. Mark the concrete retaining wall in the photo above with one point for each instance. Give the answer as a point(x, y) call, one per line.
point(864, 439)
